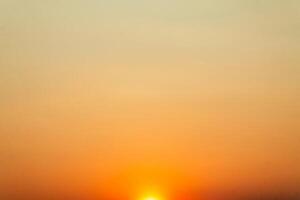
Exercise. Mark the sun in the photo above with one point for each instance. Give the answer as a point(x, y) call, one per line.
point(151, 198)
point(151, 192)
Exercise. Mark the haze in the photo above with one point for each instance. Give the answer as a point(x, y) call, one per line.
point(114, 96)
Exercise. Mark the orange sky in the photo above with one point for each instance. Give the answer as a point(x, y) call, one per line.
point(128, 95)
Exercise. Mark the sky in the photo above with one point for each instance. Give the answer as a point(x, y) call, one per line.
point(118, 96)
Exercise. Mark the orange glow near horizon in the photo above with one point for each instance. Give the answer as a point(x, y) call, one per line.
point(151, 197)
point(151, 193)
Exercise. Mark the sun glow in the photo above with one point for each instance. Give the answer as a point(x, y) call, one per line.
point(151, 198)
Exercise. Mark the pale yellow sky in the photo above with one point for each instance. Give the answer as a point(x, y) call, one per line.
point(208, 89)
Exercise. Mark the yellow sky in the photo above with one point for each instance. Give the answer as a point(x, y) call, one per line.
point(201, 93)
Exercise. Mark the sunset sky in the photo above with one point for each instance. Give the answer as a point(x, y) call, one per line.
point(119, 97)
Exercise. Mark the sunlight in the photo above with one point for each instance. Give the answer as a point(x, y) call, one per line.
point(151, 197)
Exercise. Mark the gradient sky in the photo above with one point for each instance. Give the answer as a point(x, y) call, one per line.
point(178, 94)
